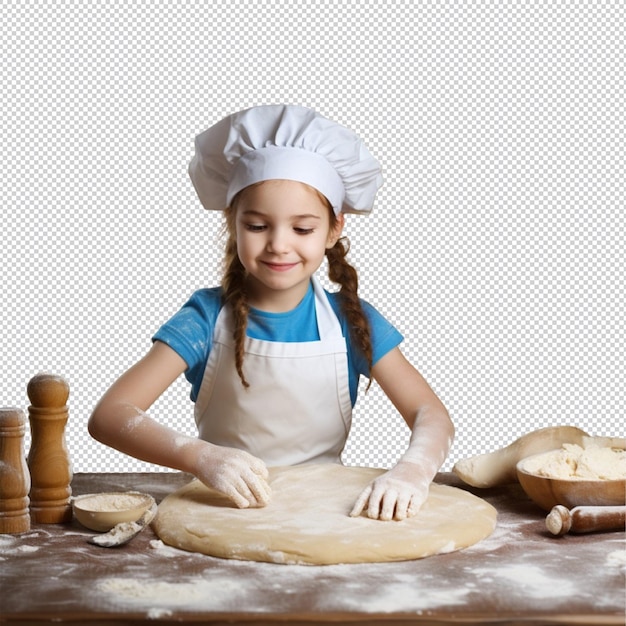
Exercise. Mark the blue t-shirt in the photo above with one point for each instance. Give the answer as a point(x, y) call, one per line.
point(190, 332)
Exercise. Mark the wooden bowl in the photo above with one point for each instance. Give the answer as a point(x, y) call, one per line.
point(103, 511)
point(570, 492)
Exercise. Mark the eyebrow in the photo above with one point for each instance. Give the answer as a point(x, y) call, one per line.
point(295, 217)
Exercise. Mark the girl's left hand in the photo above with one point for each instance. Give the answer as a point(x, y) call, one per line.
point(397, 494)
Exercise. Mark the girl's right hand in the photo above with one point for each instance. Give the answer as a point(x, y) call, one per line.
point(119, 420)
point(235, 473)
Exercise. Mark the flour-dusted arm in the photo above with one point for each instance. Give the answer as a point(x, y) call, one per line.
point(120, 421)
point(400, 492)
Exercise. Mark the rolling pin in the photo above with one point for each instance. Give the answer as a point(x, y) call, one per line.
point(585, 519)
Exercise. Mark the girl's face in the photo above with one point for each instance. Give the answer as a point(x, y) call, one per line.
point(283, 229)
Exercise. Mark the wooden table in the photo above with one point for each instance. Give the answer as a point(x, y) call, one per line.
point(519, 575)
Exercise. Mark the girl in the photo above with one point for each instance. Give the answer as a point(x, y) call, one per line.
point(273, 359)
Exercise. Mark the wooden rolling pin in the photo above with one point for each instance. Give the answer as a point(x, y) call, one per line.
point(585, 519)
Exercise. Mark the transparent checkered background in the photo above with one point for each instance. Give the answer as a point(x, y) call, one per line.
point(497, 245)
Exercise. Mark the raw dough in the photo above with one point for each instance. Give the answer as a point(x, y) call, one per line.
point(307, 521)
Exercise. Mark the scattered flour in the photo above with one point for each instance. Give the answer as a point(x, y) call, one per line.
point(173, 594)
point(12, 544)
point(617, 559)
point(405, 594)
point(27, 548)
point(529, 579)
point(6, 541)
point(157, 544)
point(574, 462)
point(159, 613)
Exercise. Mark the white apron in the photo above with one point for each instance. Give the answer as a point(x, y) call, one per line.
point(297, 408)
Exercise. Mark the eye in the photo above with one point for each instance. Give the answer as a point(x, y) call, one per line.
point(255, 228)
point(303, 231)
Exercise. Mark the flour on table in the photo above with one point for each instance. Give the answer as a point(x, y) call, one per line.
point(11, 544)
point(307, 521)
point(178, 594)
point(617, 559)
point(158, 613)
point(532, 579)
point(28, 548)
point(157, 544)
point(404, 593)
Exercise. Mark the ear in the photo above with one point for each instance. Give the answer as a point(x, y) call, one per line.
point(335, 230)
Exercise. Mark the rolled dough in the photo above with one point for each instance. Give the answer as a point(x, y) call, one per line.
point(307, 521)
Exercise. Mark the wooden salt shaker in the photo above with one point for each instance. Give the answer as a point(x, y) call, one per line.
point(14, 475)
point(48, 458)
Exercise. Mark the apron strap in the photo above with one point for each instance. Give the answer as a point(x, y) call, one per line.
point(328, 325)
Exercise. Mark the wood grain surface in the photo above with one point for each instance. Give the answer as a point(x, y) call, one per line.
point(521, 574)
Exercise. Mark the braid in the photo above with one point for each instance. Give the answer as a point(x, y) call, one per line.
point(234, 293)
point(342, 272)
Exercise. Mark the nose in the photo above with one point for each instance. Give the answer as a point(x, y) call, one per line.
point(278, 241)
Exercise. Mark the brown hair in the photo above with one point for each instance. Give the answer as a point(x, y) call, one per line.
point(340, 271)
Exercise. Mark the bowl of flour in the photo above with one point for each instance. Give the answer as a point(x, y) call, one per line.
point(103, 511)
point(573, 475)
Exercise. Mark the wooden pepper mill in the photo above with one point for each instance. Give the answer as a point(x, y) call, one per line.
point(48, 459)
point(14, 475)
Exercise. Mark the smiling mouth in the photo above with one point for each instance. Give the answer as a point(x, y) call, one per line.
point(279, 267)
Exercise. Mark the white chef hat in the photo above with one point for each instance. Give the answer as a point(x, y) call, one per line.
point(284, 142)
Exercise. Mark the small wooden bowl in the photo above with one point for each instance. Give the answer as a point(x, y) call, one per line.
point(570, 492)
point(103, 511)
